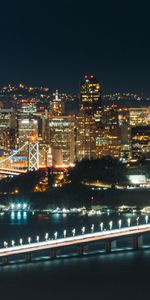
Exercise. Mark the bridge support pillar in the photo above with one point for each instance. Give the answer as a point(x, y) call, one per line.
point(53, 253)
point(27, 257)
point(137, 241)
point(5, 260)
point(81, 249)
point(109, 245)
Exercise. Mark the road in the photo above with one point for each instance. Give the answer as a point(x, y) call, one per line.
point(76, 240)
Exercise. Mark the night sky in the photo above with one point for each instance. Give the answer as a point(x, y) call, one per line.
point(54, 43)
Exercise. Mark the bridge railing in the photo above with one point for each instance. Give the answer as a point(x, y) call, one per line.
point(51, 242)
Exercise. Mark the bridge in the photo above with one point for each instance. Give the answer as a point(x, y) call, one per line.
point(79, 242)
point(11, 172)
point(30, 151)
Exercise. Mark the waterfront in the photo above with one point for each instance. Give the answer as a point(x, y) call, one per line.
point(124, 274)
point(16, 225)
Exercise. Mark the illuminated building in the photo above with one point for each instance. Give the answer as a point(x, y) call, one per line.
point(108, 141)
point(90, 94)
point(61, 139)
point(125, 132)
point(26, 108)
point(56, 106)
point(114, 135)
point(10, 138)
point(8, 125)
point(86, 131)
point(140, 142)
point(27, 128)
point(139, 116)
point(45, 157)
point(87, 123)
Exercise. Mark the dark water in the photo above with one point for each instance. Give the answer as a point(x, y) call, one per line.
point(122, 275)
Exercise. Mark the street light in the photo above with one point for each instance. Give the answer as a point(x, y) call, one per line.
point(13, 243)
point(56, 235)
point(102, 226)
point(110, 225)
point(37, 238)
point(5, 244)
point(21, 241)
point(46, 236)
point(73, 232)
point(83, 229)
point(120, 223)
point(146, 219)
point(129, 222)
point(65, 232)
point(92, 228)
point(137, 221)
point(29, 240)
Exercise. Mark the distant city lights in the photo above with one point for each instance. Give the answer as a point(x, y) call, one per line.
point(19, 206)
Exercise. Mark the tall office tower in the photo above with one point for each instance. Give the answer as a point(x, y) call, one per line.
point(10, 138)
point(90, 95)
point(61, 139)
point(125, 131)
point(140, 142)
point(86, 131)
point(88, 121)
point(56, 106)
point(27, 128)
point(109, 140)
point(8, 124)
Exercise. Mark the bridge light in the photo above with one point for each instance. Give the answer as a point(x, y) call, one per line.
point(18, 205)
point(24, 205)
point(21, 241)
point(83, 229)
point(137, 221)
point(12, 206)
point(29, 240)
point(5, 244)
point(64, 233)
point(101, 226)
point(129, 222)
point(146, 219)
point(120, 223)
point(37, 238)
point(73, 232)
point(13, 243)
point(56, 235)
point(92, 228)
point(110, 225)
point(46, 236)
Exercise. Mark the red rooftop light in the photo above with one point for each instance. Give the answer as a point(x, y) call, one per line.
point(89, 76)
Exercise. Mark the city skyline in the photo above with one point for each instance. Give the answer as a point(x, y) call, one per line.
point(54, 44)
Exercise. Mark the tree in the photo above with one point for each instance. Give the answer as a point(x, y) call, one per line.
point(106, 169)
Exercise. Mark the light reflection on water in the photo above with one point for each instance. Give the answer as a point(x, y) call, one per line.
point(24, 224)
point(18, 217)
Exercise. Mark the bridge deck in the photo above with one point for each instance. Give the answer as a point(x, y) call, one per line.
point(77, 240)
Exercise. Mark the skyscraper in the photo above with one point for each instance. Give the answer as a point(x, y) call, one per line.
point(89, 117)
point(61, 139)
point(90, 94)
point(56, 106)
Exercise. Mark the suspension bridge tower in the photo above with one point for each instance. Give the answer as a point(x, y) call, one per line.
point(33, 153)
